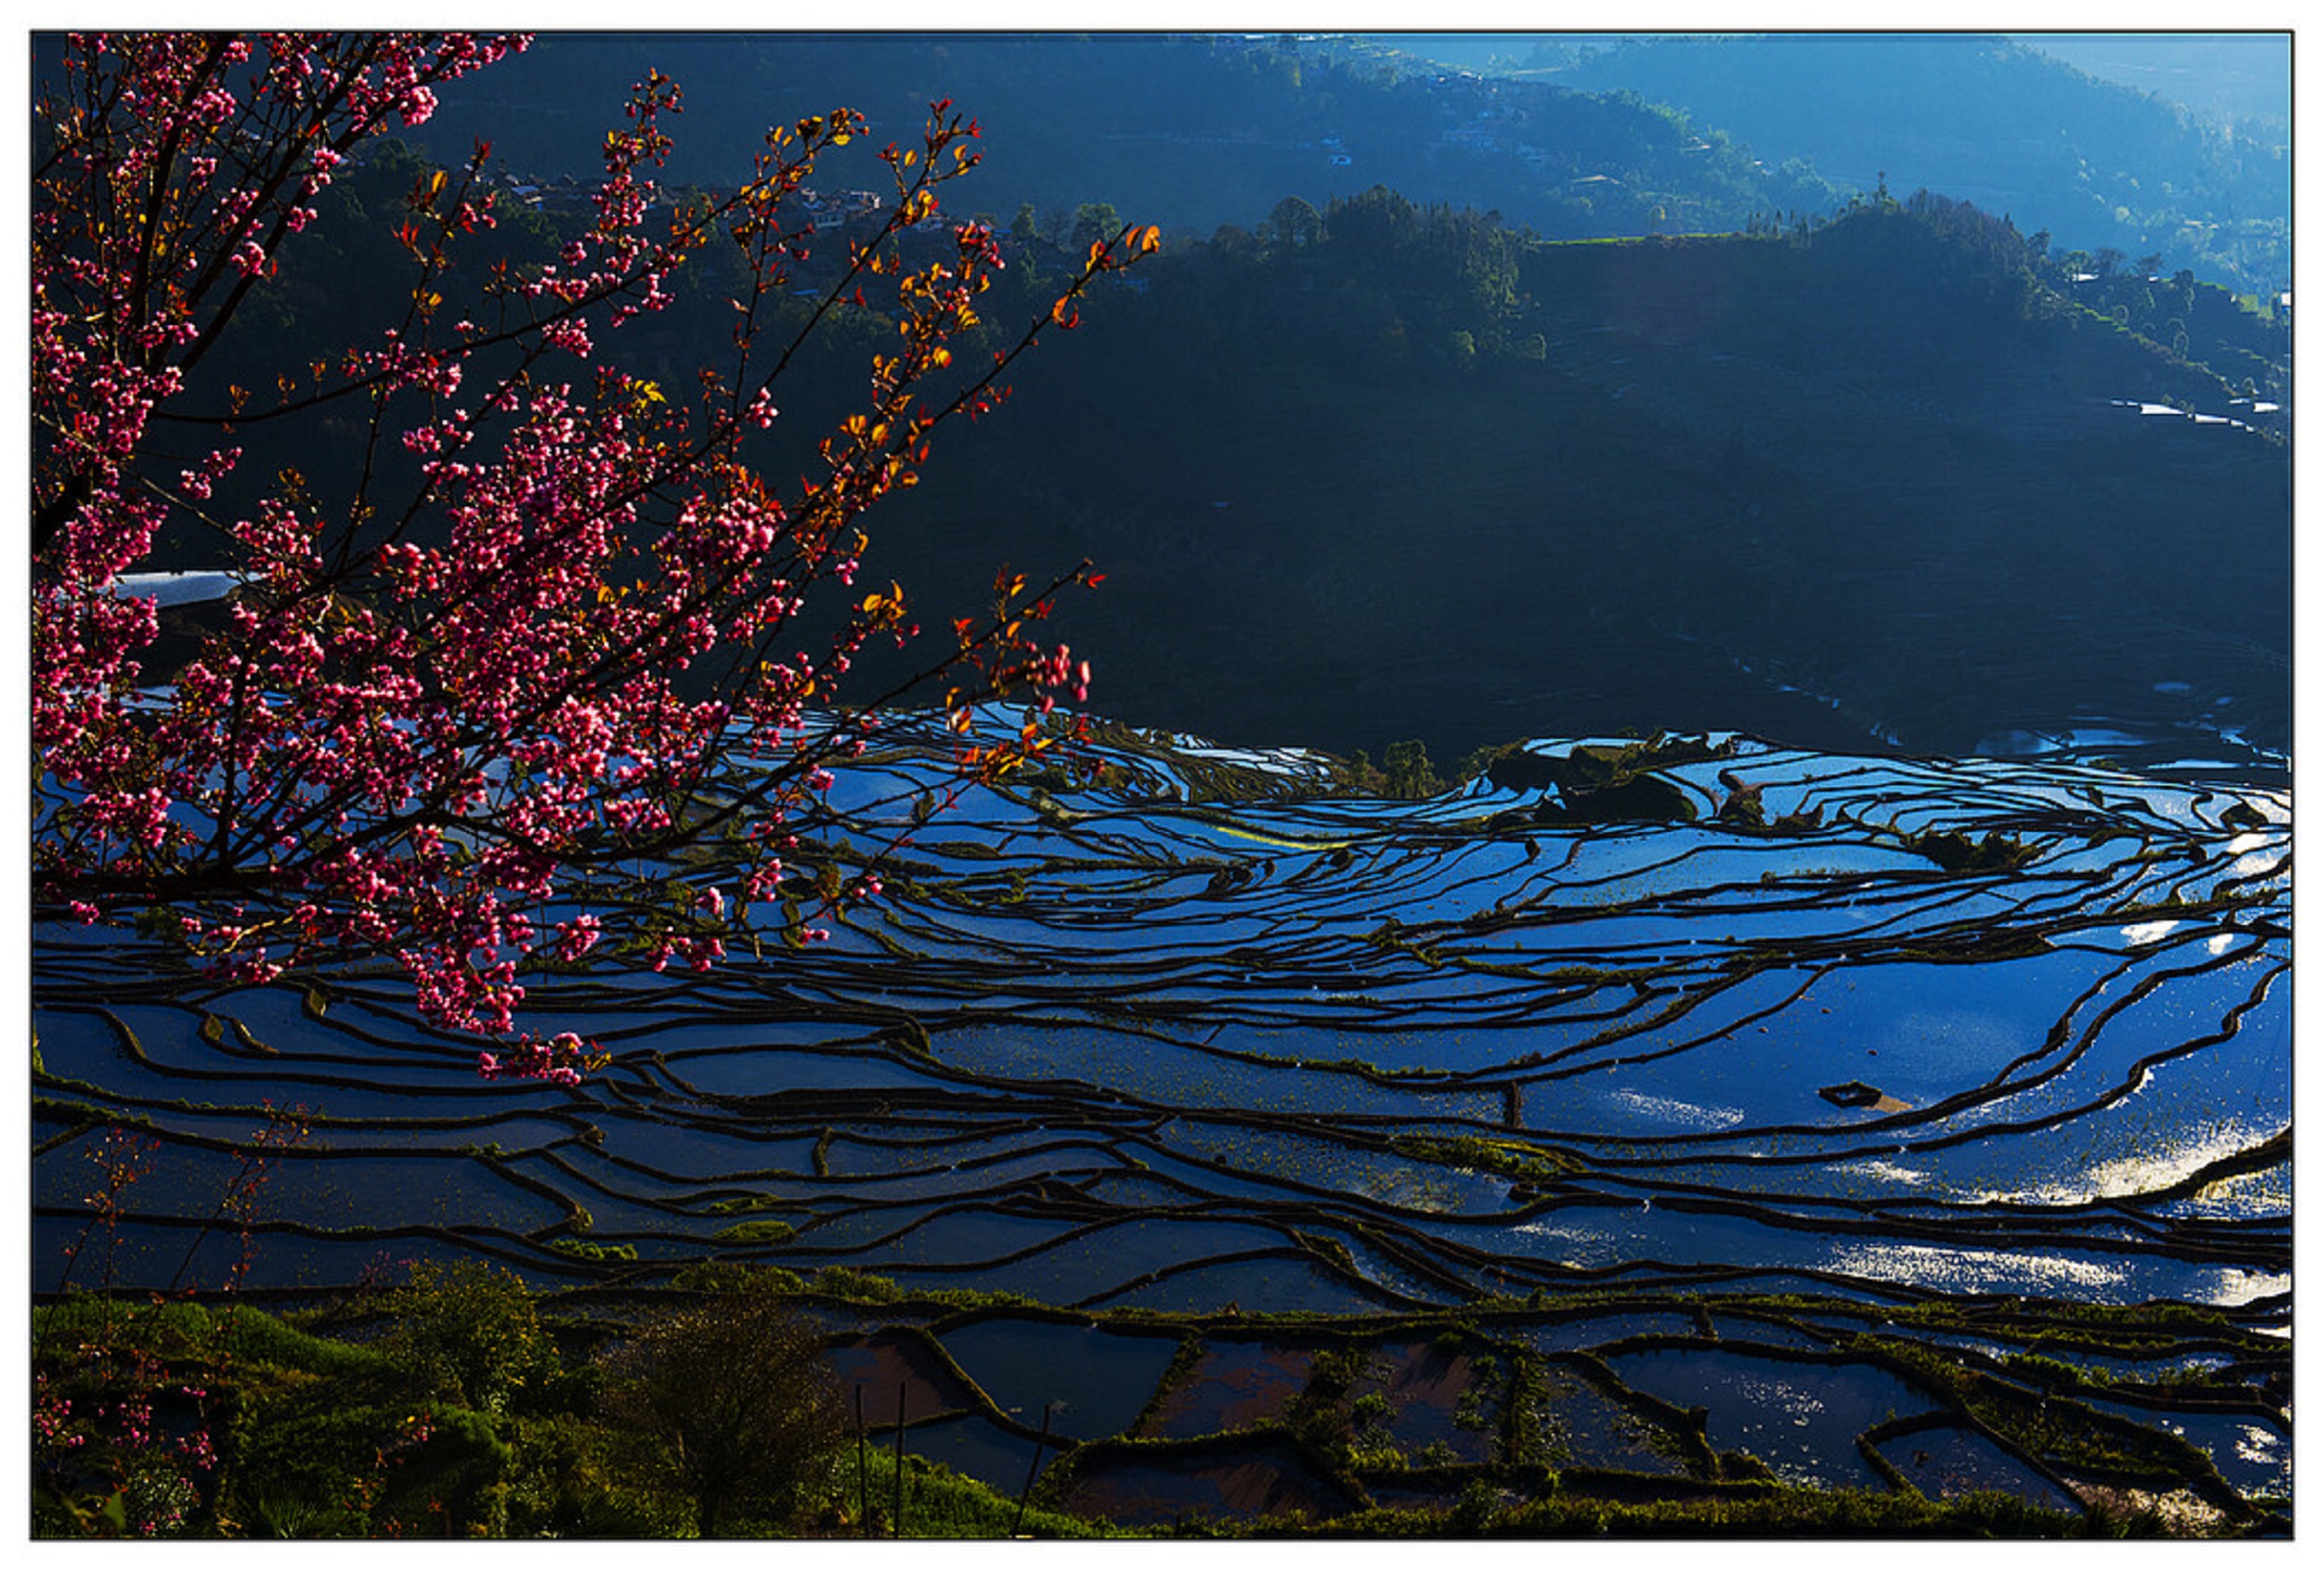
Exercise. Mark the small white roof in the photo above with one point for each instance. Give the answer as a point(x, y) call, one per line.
point(176, 588)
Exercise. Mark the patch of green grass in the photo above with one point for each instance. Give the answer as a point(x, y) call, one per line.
point(1510, 1159)
point(940, 1503)
point(583, 1249)
point(767, 1230)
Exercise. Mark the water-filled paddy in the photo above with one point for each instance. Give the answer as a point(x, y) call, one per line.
point(1944, 1460)
point(1802, 1418)
point(1092, 1382)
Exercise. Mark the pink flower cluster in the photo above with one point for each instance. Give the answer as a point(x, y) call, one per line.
point(556, 1060)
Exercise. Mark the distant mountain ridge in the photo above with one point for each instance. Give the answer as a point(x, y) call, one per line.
point(1986, 119)
point(2226, 77)
point(2233, 78)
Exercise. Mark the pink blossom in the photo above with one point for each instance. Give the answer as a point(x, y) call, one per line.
point(577, 937)
point(414, 730)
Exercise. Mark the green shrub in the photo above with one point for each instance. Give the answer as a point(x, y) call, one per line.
point(730, 1401)
point(469, 1333)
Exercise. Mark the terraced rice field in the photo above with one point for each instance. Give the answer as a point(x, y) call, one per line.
point(1653, 1116)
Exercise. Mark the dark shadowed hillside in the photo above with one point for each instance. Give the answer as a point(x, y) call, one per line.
point(1890, 462)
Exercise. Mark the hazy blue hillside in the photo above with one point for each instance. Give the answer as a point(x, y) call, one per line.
point(1989, 120)
point(2239, 78)
point(1187, 132)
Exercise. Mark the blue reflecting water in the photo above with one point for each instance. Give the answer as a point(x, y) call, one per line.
point(1801, 1418)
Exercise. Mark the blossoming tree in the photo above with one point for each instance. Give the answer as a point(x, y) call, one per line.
point(448, 708)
